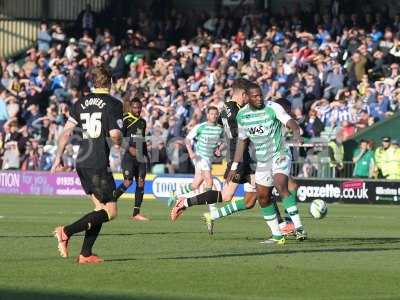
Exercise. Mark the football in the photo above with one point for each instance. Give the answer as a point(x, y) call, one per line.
point(318, 209)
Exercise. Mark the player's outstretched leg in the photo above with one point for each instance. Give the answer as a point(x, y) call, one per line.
point(186, 188)
point(212, 206)
point(231, 207)
point(228, 209)
point(179, 208)
point(172, 199)
point(182, 203)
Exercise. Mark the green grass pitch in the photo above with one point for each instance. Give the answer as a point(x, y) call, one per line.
point(354, 253)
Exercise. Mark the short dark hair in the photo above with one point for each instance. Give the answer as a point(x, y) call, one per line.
point(240, 84)
point(136, 100)
point(101, 76)
point(210, 108)
point(252, 86)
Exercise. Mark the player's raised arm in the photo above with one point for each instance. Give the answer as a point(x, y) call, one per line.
point(190, 140)
point(295, 128)
point(288, 121)
point(241, 146)
point(239, 151)
point(116, 124)
point(220, 146)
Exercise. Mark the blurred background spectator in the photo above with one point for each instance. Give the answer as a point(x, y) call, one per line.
point(387, 160)
point(363, 159)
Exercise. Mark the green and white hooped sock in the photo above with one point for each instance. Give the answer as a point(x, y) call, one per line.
point(228, 209)
point(289, 203)
point(186, 188)
point(269, 214)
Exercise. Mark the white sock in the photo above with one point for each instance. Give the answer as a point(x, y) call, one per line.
point(212, 207)
point(274, 226)
point(296, 221)
point(296, 217)
point(214, 214)
point(185, 204)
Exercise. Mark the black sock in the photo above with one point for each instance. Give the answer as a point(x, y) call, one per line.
point(119, 191)
point(86, 222)
point(278, 213)
point(287, 217)
point(90, 238)
point(138, 200)
point(208, 197)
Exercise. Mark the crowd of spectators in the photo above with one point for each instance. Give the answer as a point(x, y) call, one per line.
point(339, 71)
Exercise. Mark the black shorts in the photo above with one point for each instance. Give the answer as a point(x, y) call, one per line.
point(244, 171)
point(99, 182)
point(132, 168)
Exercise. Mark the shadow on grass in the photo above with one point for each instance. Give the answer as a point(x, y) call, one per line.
point(8, 294)
point(277, 252)
point(284, 252)
point(358, 241)
point(105, 234)
point(349, 240)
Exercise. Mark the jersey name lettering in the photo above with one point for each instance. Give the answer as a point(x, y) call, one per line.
point(93, 101)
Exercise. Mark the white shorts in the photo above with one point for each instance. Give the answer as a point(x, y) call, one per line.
point(202, 164)
point(266, 170)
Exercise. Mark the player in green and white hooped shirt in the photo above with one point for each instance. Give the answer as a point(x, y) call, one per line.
point(262, 125)
point(207, 140)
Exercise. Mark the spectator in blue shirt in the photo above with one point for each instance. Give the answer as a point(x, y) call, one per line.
point(296, 97)
point(379, 108)
point(43, 38)
point(32, 115)
point(376, 34)
point(322, 35)
point(3, 108)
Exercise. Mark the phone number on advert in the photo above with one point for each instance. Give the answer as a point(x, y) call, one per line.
point(68, 181)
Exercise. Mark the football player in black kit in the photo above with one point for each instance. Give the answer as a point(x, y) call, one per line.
point(98, 118)
point(135, 159)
